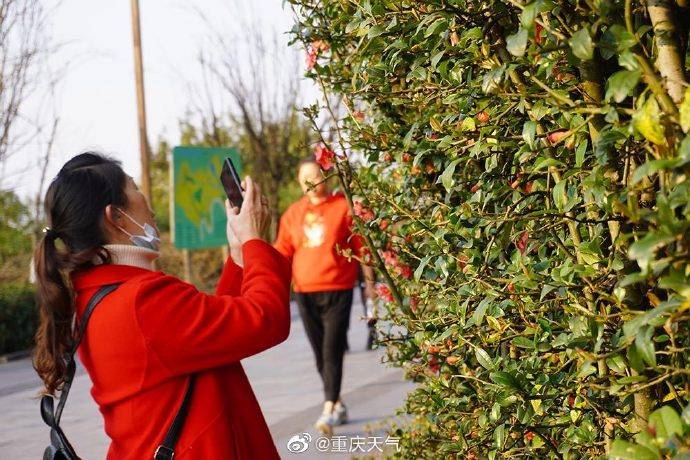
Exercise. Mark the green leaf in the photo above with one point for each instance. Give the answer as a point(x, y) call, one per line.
point(580, 153)
point(484, 359)
point(478, 315)
point(634, 359)
point(651, 167)
point(620, 84)
point(468, 124)
point(523, 342)
point(529, 14)
point(645, 345)
point(666, 422)
point(560, 197)
point(545, 290)
point(505, 379)
point(437, 57)
point(500, 435)
point(623, 39)
point(624, 450)
point(684, 150)
point(646, 121)
point(407, 140)
point(543, 163)
point(375, 31)
point(627, 60)
point(617, 364)
point(447, 176)
point(435, 26)
point(435, 124)
point(643, 250)
point(529, 131)
point(686, 414)
point(420, 269)
point(517, 42)
point(685, 112)
point(581, 44)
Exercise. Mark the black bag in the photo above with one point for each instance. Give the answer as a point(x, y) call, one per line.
point(60, 448)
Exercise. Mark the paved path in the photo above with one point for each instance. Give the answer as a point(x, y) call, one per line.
point(285, 382)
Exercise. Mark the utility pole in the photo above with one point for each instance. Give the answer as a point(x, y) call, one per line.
point(141, 104)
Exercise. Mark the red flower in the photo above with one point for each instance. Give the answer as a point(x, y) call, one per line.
point(522, 242)
point(363, 212)
point(388, 158)
point(358, 115)
point(516, 183)
point(390, 258)
point(406, 272)
point(529, 436)
point(313, 52)
point(383, 224)
point(556, 136)
point(452, 360)
point(511, 287)
point(311, 59)
point(528, 187)
point(571, 400)
point(320, 45)
point(537, 33)
point(414, 303)
point(462, 261)
point(384, 292)
point(407, 157)
point(475, 187)
point(324, 156)
point(482, 117)
point(434, 365)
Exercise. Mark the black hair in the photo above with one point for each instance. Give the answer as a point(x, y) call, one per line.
point(74, 205)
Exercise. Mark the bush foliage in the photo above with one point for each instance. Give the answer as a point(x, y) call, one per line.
point(18, 317)
point(524, 193)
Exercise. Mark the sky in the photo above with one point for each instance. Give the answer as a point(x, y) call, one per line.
point(96, 99)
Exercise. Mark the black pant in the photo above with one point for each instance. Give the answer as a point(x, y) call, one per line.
point(325, 316)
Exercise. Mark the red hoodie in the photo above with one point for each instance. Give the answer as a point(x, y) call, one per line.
point(146, 337)
point(312, 236)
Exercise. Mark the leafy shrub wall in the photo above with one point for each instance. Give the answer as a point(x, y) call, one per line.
point(526, 199)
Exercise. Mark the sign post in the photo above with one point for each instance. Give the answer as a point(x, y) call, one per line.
point(197, 214)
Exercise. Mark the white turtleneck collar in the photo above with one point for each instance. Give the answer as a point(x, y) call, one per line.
point(128, 254)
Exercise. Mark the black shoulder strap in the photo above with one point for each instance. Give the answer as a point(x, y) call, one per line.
point(69, 356)
point(166, 450)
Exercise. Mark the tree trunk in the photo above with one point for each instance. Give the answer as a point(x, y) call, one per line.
point(669, 61)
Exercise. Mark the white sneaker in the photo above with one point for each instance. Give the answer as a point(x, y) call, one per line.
point(325, 423)
point(339, 414)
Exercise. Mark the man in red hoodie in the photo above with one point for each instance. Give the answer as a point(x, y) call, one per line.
point(313, 233)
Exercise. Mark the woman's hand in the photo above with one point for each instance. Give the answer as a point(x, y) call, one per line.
point(247, 223)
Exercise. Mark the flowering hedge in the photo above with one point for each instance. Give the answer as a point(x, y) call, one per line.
point(523, 186)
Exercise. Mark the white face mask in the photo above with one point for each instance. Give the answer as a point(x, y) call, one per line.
point(149, 239)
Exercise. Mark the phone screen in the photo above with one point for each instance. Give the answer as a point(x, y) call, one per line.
point(231, 182)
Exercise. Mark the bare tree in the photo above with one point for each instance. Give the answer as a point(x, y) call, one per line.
point(260, 77)
point(22, 40)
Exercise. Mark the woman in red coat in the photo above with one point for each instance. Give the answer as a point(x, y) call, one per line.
point(146, 339)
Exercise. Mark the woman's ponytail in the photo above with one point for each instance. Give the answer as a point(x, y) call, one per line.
point(75, 203)
point(56, 310)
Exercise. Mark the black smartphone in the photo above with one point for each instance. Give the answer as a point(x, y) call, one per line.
point(232, 183)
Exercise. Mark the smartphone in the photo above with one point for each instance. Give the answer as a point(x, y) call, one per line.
point(232, 183)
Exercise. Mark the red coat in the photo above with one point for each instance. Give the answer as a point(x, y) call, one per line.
point(144, 339)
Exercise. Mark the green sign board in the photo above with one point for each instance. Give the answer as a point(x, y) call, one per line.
point(198, 214)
